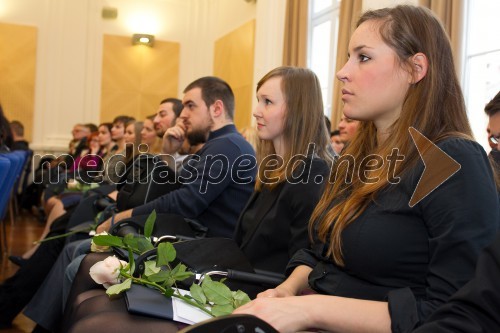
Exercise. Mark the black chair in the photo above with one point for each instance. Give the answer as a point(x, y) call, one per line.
point(16, 159)
point(231, 324)
point(22, 182)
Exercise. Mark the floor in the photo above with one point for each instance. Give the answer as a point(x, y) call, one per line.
point(20, 236)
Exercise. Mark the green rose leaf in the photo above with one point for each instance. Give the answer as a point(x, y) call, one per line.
point(216, 292)
point(150, 222)
point(168, 282)
point(138, 244)
point(197, 293)
point(168, 292)
point(118, 288)
point(240, 298)
point(164, 278)
point(108, 240)
point(131, 262)
point(166, 253)
point(179, 272)
point(150, 268)
point(222, 310)
point(161, 276)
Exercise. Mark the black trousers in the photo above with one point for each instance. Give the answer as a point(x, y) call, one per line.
point(17, 291)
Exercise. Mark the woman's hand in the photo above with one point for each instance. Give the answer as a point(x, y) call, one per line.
point(279, 291)
point(292, 286)
point(285, 314)
point(330, 313)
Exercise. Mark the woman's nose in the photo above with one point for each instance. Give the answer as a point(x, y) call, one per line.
point(342, 73)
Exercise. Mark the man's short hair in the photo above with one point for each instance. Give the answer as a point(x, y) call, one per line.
point(328, 124)
point(493, 106)
point(17, 127)
point(92, 127)
point(212, 89)
point(176, 105)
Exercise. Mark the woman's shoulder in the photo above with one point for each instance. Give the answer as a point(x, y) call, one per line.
point(460, 146)
point(311, 164)
point(310, 171)
point(468, 153)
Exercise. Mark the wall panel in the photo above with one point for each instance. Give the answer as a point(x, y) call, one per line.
point(136, 78)
point(234, 62)
point(17, 70)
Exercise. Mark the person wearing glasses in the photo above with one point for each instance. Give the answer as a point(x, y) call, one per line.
point(492, 109)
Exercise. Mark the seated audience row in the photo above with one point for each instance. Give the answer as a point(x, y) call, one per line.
point(364, 242)
point(276, 210)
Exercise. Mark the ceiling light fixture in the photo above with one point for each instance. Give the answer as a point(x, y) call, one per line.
point(143, 39)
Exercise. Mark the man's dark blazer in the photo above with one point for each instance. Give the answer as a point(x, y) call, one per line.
point(476, 306)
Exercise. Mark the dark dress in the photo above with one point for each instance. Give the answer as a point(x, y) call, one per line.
point(273, 225)
point(414, 258)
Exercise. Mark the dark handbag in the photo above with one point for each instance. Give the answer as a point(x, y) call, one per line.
point(145, 301)
point(216, 257)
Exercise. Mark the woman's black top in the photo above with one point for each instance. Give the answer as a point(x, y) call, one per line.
point(273, 225)
point(414, 257)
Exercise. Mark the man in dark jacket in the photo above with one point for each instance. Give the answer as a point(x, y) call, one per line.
point(19, 142)
point(476, 306)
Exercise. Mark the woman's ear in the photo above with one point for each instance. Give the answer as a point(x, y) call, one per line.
point(420, 65)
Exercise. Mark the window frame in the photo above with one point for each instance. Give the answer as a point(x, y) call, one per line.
point(330, 13)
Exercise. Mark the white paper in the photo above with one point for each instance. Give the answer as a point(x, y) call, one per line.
point(186, 313)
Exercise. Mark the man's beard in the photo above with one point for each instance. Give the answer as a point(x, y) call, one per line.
point(198, 136)
point(160, 133)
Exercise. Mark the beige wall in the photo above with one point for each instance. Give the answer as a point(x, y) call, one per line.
point(135, 78)
point(70, 47)
point(17, 70)
point(233, 62)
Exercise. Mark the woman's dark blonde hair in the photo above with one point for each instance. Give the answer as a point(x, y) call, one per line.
point(304, 122)
point(434, 106)
point(131, 151)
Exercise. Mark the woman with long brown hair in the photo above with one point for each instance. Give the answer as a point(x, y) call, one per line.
point(293, 161)
point(273, 225)
point(382, 261)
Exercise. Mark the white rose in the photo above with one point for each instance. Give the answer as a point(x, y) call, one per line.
point(107, 271)
point(99, 248)
point(73, 184)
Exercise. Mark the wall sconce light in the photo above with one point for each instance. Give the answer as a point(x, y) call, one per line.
point(143, 39)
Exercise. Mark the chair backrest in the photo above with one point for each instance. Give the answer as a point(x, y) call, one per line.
point(21, 156)
point(16, 159)
point(4, 169)
point(231, 324)
point(22, 181)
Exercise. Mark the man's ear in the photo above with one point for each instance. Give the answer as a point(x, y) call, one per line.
point(217, 109)
point(420, 65)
